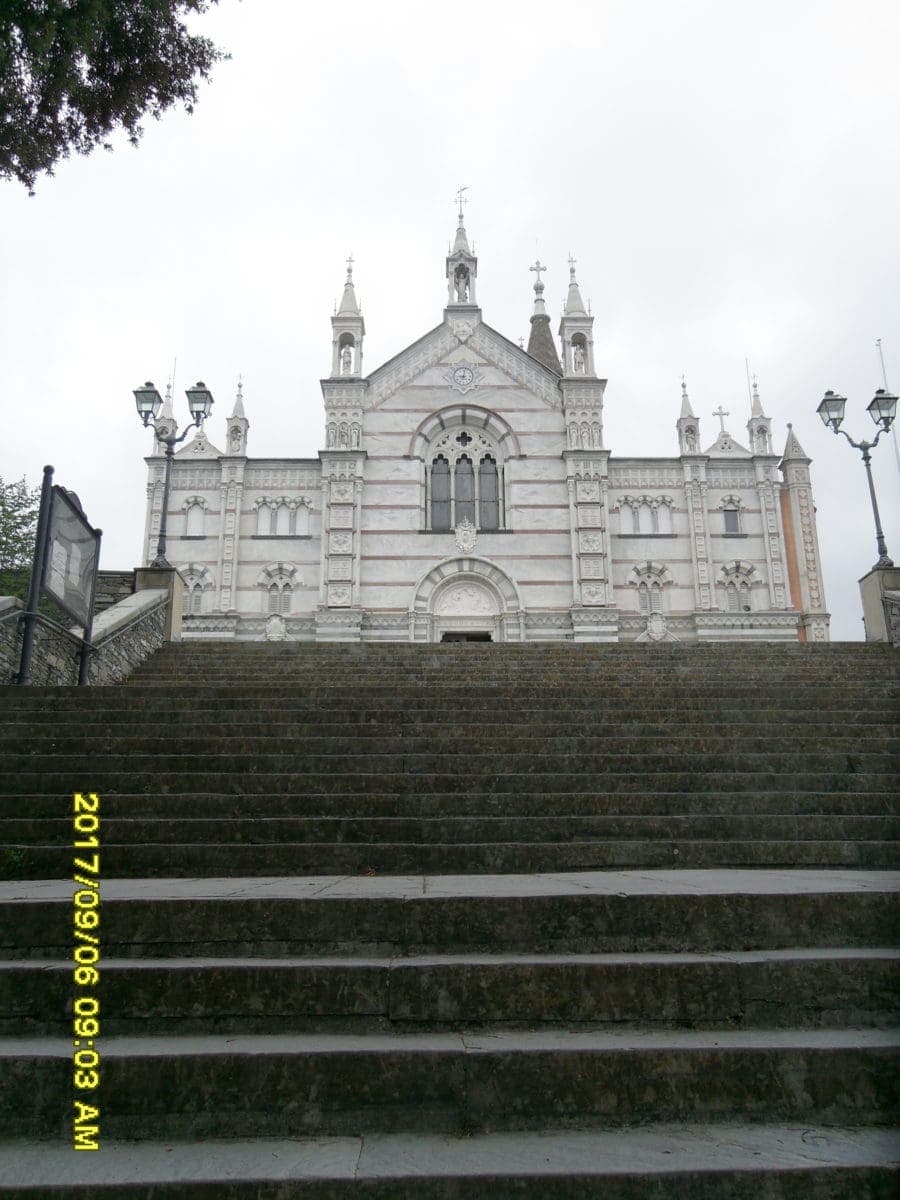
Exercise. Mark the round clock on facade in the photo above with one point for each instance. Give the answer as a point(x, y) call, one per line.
point(463, 376)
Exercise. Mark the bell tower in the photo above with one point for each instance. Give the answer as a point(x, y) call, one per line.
point(348, 329)
point(576, 328)
point(759, 426)
point(462, 265)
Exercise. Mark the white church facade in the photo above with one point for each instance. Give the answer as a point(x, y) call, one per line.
point(465, 491)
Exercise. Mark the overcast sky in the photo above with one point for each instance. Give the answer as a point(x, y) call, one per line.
point(726, 174)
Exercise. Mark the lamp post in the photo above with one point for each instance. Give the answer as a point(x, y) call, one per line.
point(882, 410)
point(149, 402)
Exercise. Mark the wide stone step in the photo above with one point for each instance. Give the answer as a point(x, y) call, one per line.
point(486, 1080)
point(540, 758)
point(572, 913)
point(667, 1162)
point(446, 830)
point(235, 719)
point(166, 778)
point(767, 989)
point(196, 860)
point(874, 696)
point(447, 740)
point(516, 679)
point(425, 804)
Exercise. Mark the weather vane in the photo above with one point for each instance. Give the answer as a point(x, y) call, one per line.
point(461, 200)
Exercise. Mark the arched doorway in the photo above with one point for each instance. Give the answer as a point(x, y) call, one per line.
point(466, 596)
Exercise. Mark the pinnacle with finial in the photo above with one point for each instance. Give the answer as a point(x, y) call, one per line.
point(166, 413)
point(349, 307)
point(757, 408)
point(686, 410)
point(574, 304)
point(239, 398)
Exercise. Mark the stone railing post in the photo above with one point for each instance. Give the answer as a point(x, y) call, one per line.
point(170, 579)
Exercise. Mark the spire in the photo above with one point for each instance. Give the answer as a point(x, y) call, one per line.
point(574, 303)
point(540, 340)
point(238, 410)
point(792, 447)
point(686, 410)
point(348, 306)
point(462, 239)
point(757, 408)
point(166, 413)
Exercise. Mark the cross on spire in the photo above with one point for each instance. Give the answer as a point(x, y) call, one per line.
point(537, 268)
point(461, 200)
point(350, 264)
point(572, 262)
point(721, 414)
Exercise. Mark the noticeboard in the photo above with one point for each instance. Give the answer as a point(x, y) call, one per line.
point(70, 566)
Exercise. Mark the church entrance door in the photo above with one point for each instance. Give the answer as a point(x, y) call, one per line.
point(467, 609)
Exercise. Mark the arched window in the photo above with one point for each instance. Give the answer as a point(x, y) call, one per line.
point(263, 520)
point(464, 487)
point(194, 521)
point(194, 599)
point(645, 519)
point(626, 518)
point(489, 491)
point(664, 519)
point(731, 598)
point(649, 597)
point(282, 520)
point(440, 493)
point(279, 598)
point(464, 479)
point(301, 520)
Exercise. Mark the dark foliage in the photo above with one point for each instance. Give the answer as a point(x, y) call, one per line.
point(19, 506)
point(73, 71)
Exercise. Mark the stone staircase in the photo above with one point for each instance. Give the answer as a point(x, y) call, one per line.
point(462, 921)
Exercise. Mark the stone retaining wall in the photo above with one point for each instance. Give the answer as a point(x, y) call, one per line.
point(124, 635)
point(112, 586)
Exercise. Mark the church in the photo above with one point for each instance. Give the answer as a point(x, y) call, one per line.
point(464, 492)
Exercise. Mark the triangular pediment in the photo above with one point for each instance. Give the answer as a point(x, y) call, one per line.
point(726, 447)
point(199, 447)
point(464, 355)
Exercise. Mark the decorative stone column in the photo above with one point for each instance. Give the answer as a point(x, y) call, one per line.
point(339, 617)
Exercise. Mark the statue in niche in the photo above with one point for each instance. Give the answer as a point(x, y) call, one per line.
point(236, 438)
point(461, 278)
point(354, 437)
point(330, 436)
point(690, 441)
point(346, 360)
point(578, 359)
point(761, 440)
point(344, 439)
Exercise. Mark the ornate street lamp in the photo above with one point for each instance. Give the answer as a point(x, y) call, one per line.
point(882, 410)
point(148, 402)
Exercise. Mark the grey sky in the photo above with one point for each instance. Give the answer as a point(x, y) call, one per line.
point(726, 174)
